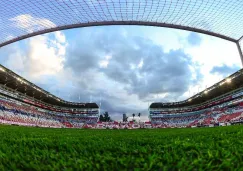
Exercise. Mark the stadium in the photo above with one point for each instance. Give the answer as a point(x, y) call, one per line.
point(210, 121)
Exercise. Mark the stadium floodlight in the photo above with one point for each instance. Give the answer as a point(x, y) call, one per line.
point(2, 69)
point(205, 92)
point(19, 79)
point(228, 80)
point(24, 82)
point(190, 100)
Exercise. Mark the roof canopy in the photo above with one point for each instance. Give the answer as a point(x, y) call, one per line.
point(18, 84)
point(23, 19)
point(227, 85)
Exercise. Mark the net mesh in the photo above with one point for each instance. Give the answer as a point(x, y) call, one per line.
point(24, 18)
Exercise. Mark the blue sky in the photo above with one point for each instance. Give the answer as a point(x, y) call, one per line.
point(125, 68)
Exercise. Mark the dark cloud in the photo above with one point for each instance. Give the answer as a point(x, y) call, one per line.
point(194, 39)
point(224, 70)
point(161, 72)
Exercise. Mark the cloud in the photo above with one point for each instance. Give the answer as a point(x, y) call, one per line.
point(124, 68)
point(224, 70)
point(37, 57)
point(128, 71)
point(194, 39)
point(40, 58)
point(30, 24)
point(60, 37)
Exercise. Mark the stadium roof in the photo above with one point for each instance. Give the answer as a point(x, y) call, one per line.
point(228, 84)
point(19, 84)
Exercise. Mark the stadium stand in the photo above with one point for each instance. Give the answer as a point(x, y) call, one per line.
point(208, 108)
point(23, 103)
point(20, 114)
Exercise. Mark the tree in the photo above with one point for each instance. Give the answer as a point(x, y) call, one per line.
point(133, 115)
point(139, 114)
point(124, 119)
point(101, 118)
point(105, 117)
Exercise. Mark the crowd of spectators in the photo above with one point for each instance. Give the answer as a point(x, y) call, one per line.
point(13, 112)
point(226, 115)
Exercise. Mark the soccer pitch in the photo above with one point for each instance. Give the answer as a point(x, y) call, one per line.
point(25, 148)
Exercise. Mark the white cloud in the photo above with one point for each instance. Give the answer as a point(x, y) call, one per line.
point(214, 52)
point(104, 63)
point(60, 37)
point(140, 65)
point(16, 61)
point(132, 66)
point(30, 23)
point(40, 59)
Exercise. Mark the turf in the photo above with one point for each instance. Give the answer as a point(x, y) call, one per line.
point(23, 148)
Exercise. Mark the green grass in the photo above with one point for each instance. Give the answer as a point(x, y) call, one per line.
point(23, 148)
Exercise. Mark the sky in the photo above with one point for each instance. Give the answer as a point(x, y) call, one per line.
point(122, 68)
